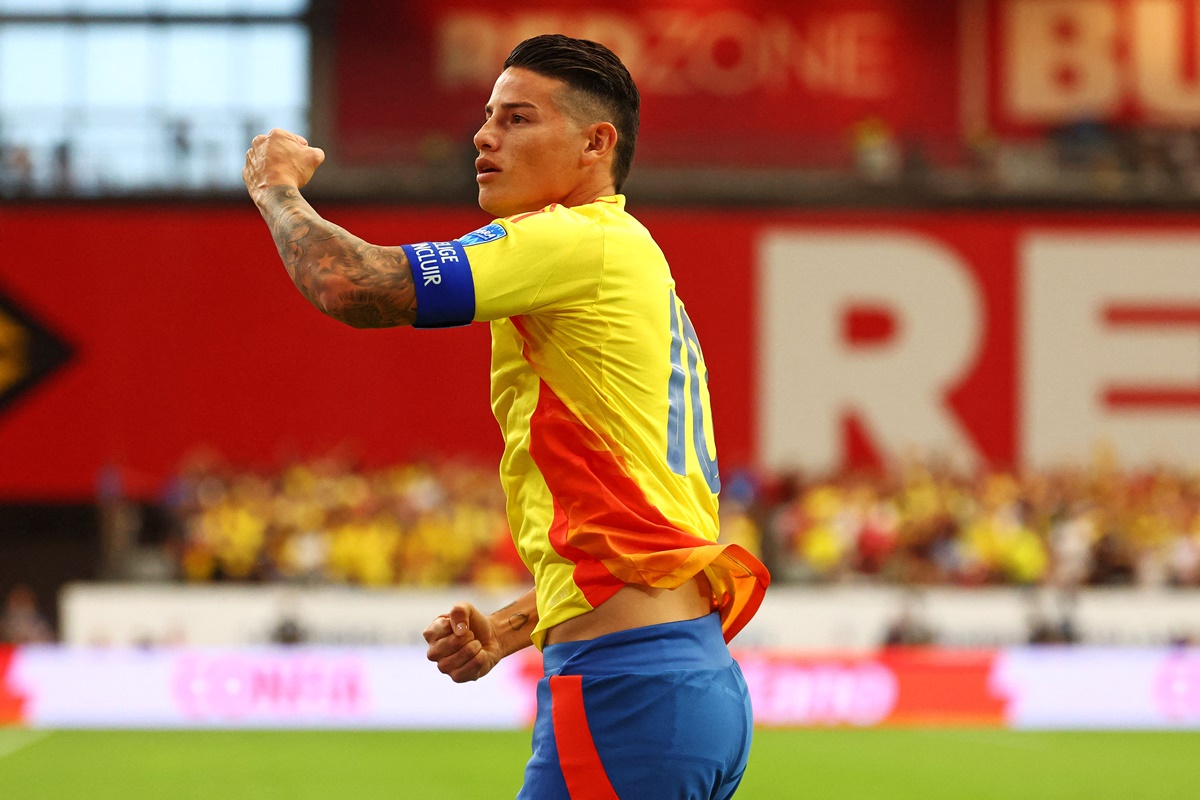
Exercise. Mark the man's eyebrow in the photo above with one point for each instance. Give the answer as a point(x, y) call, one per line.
point(511, 106)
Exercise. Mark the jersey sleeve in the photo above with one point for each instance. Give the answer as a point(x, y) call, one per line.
point(546, 261)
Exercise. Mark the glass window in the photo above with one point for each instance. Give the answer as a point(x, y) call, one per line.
point(119, 65)
point(36, 66)
point(286, 8)
point(121, 104)
point(276, 68)
point(37, 6)
point(198, 68)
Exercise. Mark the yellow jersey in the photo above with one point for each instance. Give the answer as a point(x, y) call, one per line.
point(601, 392)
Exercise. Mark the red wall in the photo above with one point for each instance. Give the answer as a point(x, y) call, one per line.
point(187, 331)
point(777, 81)
point(761, 80)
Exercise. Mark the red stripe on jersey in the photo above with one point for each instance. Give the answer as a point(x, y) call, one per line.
point(595, 582)
point(518, 322)
point(577, 756)
point(527, 214)
point(605, 524)
point(606, 513)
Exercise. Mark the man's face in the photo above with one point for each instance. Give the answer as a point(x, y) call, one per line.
point(530, 150)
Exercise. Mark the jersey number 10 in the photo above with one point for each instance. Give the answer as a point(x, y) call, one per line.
point(686, 347)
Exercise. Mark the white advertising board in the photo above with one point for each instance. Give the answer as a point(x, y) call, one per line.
point(350, 688)
point(259, 688)
point(813, 618)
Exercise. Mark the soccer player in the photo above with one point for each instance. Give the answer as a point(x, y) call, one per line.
point(600, 389)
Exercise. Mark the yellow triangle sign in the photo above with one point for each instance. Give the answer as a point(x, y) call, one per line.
point(14, 353)
point(29, 352)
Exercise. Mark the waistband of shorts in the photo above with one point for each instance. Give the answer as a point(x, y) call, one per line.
point(694, 644)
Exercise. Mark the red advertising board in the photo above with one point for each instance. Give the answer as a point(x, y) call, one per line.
point(833, 338)
point(721, 81)
point(777, 82)
point(900, 687)
point(185, 331)
point(1055, 63)
point(12, 701)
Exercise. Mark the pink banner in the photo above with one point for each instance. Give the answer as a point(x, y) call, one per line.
point(1022, 688)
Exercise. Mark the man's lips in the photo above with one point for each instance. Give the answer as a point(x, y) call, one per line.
point(484, 168)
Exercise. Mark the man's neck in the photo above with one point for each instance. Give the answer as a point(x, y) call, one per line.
point(589, 193)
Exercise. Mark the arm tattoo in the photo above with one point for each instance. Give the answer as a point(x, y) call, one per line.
point(516, 620)
point(361, 284)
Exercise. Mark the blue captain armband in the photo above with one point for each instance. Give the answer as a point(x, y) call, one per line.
point(444, 285)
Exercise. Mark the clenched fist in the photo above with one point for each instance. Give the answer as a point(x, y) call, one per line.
point(463, 643)
point(279, 158)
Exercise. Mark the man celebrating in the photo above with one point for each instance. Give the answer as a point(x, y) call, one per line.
point(600, 389)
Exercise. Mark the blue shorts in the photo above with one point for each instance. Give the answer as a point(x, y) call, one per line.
point(653, 713)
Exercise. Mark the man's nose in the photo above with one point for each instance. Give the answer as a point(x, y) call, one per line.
point(484, 138)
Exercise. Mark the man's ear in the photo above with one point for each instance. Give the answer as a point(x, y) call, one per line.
point(600, 143)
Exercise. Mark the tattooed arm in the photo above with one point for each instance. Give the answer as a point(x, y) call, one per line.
point(516, 621)
point(466, 643)
point(358, 283)
point(361, 284)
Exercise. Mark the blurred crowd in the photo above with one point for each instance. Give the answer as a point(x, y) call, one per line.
point(1081, 160)
point(920, 524)
point(1084, 159)
point(429, 524)
point(21, 621)
point(324, 521)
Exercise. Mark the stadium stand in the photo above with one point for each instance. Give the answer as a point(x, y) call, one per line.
point(921, 524)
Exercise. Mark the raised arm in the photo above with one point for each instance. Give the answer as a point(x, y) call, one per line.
point(358, 283)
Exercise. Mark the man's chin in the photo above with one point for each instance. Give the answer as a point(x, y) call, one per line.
point(489, 203)
point(493, 203)
point(498, 205)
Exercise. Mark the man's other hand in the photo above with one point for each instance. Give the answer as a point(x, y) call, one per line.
point(279, 158)
point(463, 643)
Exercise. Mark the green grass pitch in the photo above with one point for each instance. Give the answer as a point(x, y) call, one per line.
point(826, 764)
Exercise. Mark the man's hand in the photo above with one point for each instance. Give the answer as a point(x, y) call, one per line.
point(464, 643)
point(279, 158)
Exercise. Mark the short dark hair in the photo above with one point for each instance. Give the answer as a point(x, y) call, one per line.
point(594, 70)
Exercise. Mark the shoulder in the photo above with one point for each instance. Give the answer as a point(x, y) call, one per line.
point(554, 218)
point(554, 227)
